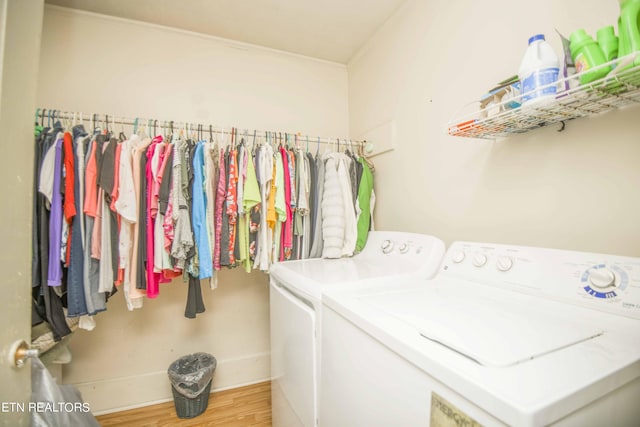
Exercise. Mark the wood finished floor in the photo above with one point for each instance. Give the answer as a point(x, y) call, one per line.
point(238, 407)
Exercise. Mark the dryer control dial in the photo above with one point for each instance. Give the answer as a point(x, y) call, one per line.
point(602, 278)
point(479, 260)
point(404, 248)
point(387, 246)
point(605, 281)
point(458, 257)
point(504, 263)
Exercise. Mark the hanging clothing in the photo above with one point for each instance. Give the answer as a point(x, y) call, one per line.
point(279, 205)
point(232, 204)
point(264, 172)
point(287, 227)
point(224, 234)
point(54, 276)
point(199, 214)
point(77, 304)
point(333, 223)
point(364, 202)
point(133, 213)
point(210, 182)
point(182, 239)
point(220, 198)
point(318, 242)
point(251, 199)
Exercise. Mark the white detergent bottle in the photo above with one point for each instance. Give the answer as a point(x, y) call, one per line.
point(538, 72)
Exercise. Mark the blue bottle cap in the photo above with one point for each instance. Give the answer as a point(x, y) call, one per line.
point(536, 37)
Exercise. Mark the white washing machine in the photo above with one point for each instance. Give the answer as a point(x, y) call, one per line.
point(503, 335)
point(295, 294)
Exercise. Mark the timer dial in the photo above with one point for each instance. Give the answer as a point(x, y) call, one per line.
point(602, 278)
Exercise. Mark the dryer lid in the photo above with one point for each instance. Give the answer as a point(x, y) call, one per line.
point(493, 329)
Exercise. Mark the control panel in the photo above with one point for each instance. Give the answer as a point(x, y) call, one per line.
point(405, 253)
point(605, 282)
point(397, 243)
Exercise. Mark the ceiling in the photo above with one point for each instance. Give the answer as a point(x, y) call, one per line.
point(333, 30)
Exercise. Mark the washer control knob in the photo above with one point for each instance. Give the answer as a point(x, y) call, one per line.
point(387, 246)
point(458, 257)
point(504, 263)
point(602, 278)
point(479, 260)
point(404, 248)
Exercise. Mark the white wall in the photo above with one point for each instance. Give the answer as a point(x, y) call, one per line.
point(577, 189)
point(92, 63)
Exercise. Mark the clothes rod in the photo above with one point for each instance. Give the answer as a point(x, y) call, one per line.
point(110, 122)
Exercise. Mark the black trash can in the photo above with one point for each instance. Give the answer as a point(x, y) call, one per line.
point(191, 383)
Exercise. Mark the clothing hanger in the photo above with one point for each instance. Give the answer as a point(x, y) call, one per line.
point(244, 138)
point(135, 125)
point(54, 118)
point(122, 137)
point(62, 120)
point(318, 147)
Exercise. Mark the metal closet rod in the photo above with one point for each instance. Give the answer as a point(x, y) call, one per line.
point(107, 120)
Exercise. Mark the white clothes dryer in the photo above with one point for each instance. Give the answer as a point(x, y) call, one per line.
point(295, 295)
point(503, 335)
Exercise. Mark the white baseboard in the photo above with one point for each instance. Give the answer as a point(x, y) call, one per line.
point(120, 394)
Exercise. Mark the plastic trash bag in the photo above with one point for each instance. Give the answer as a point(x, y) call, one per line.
point(190, 374)
point(53, 404)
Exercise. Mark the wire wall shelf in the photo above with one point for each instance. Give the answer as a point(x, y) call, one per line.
point(618, 89)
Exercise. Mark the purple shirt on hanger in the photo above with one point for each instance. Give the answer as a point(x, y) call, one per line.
point(54, 276)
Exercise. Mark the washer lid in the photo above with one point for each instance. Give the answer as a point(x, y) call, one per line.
point(494, 330)
point(310, 276)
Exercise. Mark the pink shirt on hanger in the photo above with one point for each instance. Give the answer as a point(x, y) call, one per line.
point(91, 184)
point(153, 278)
point(287, 227)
